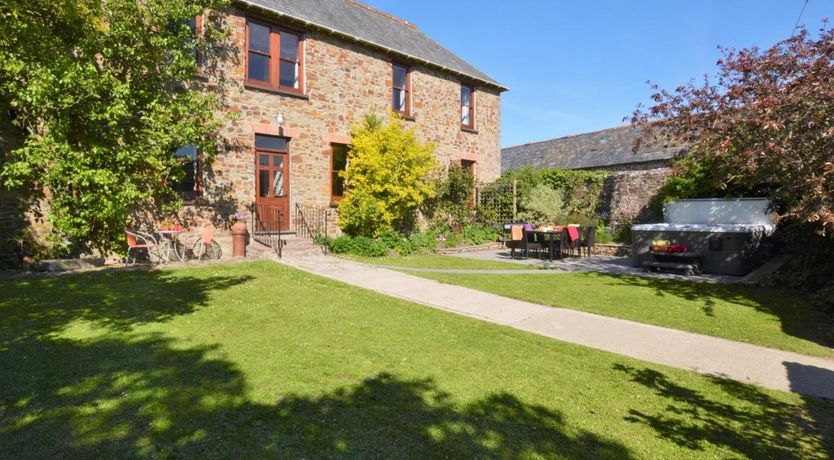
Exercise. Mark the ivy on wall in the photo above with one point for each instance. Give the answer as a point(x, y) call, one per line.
point(581, 190)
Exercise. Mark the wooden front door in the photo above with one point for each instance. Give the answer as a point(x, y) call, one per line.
point(272, 183)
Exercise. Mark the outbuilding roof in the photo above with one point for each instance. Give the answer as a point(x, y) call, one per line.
point(355, 20)
point(599, 149)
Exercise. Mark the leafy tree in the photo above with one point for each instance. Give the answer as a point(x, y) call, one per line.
point(582, 189)
point(103, 91)
point(543, 205)
point(763, 122)
point(388, 177)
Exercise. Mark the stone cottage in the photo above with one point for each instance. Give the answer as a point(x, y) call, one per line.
point(310, 70)
point(634, 178)
point(305, 72)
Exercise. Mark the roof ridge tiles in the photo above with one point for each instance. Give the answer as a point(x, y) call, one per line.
point(567, 136)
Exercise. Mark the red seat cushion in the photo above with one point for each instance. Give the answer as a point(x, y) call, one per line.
point(573, 233)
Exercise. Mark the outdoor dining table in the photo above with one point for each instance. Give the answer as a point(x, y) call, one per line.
point(168, 239)
point(550, 236)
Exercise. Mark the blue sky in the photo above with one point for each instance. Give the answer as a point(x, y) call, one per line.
point(582, 65)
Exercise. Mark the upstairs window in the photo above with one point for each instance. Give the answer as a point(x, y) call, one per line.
point(290, 60)
point(338, 163)
point(401, 92)
point(467, 107)
point(274, 57)
point(189, 184)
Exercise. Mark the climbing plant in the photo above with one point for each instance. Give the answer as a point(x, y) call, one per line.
point(104, 92)
point(581, 191)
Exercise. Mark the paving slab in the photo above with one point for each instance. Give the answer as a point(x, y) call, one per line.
point(776, 369)
point(612, 265)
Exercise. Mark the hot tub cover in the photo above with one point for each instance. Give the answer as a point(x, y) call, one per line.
point(705, 228)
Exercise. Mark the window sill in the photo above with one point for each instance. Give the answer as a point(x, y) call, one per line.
point(272, 89)
point(405, 116)
point(334, 202)
point(467, 129)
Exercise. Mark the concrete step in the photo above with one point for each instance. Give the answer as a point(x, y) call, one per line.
point(301, 247)
point(293, 246)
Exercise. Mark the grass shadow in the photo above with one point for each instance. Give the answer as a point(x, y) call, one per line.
point(146, 398)
point(121, 393)
point(749, 422)
point(36, 306)
point(796, 315)
point(807, 379)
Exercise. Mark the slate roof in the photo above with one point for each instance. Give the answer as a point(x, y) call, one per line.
point(599, 149)
point(358, 21)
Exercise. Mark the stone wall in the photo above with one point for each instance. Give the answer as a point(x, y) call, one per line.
point(344, 82)
point(628, 193)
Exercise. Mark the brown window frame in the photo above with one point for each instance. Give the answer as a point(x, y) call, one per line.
point(336, 198)
point(471, 125)
point(407, 89)
point(275, 58)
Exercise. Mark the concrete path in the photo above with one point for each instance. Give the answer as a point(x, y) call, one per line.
point(601, 264)
point(475, 271)
point(746, 363)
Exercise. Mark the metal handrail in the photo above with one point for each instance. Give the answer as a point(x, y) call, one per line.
point(270, 236)
point(280, 243)
point(303, 228)
point(299, 215)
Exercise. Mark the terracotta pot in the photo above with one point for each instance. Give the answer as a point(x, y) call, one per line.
point(239, 228)
point(239, 239)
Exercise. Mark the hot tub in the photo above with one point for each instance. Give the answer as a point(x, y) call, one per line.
point(727, 245)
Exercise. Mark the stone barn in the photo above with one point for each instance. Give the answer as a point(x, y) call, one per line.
point(635, 177)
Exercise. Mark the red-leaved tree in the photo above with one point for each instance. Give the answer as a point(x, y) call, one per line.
point(765, 119)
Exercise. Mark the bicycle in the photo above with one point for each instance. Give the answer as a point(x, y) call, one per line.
point(206, 247)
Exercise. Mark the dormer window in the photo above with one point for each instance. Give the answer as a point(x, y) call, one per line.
point(401, 91)
point(467, 107)
point(274, 58)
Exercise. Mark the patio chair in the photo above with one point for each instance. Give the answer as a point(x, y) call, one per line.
point(568, 243)
point(588, 241)
point(516, 240)
point(138, 242)
point(530, 242)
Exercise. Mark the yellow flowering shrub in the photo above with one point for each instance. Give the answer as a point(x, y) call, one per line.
point(387, 177)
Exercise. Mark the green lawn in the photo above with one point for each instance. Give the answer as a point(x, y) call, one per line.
point(768, 317)
point(257, 360)
point(437, 261)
